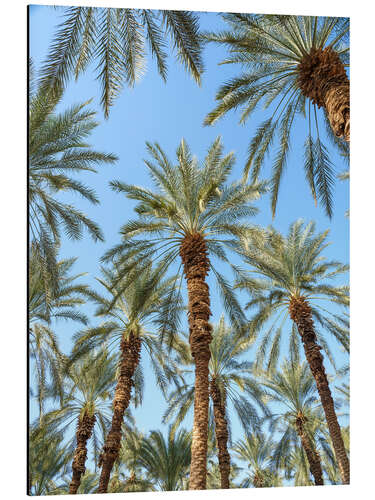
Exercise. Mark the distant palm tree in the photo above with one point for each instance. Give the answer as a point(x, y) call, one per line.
point(293, 280)
point(257, 450)
point(134, 305)
point(116, 40)
point(166, 461)
point(48, 459)
point(286, 60)
point(43, 343)
point(193, 213)
point(57, 149)
point(293, 390)
point(88, 388)
point(230, 383)
point(129, 457)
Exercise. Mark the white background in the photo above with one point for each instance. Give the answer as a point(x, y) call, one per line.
point(13, 18)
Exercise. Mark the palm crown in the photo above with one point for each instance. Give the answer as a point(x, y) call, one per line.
point(48, 360)
point(190, 199)
point(116, 40)
point(292, 267)
point(166, 460)
point(88, 388)
point(281, 56)
point(58, 148)
point(297, 413)
point(256, 449)
point(134, 304)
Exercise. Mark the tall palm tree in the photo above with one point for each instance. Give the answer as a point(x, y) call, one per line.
point(58, 149)
point(134, 311)
point(297, 64)
point(191, 213)
point(88, 389)
point(293, 390)
point(230, 383)
point(256, 449)
point(166, 461)
point(116, 40)
point(293, 281)
point(45, 353)
point(330, 465)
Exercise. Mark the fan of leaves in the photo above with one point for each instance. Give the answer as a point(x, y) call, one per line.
point(116, 40)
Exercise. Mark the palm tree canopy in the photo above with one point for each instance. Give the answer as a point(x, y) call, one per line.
point(256, 449)
point(57, 149)
point(48, 459)
point(293, 390)
point(88, 385)
point(134, 304)
point(129, 459)
point(270, 49)
point(116, 40)
point(292, 266)
point(48, 360)
point(167, 461)
point(189, 199)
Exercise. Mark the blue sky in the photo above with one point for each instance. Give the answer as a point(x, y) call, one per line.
point(155, 111)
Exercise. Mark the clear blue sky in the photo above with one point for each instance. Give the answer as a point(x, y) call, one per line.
point(154, 111)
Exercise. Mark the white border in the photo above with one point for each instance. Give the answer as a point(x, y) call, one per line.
point(13, 239)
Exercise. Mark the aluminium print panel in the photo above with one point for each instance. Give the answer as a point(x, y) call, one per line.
point(188, 250)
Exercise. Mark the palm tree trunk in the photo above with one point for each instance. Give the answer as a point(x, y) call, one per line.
point(258, 480)
point(322, 78)
point(85, 427)
point(221, 431)
point(130, 356)
point(300, 313)
point(193, 253)
point(311, 453)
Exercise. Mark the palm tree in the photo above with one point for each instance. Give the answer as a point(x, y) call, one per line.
point(43, 343)
point(134, 305)
point(129, 457)
point(192, 213)
point(214, 481)
point(257, 449)
point(293, 390)
point(88, 389)
point(294, 280)
point(88, 484)
point(286, 60)
point(166, 461)
point(58, 148)
point(330, 465)
point(116, 40)
point(48, 459)
point(230, 381)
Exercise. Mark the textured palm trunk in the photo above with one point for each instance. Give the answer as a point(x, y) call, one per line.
point(85, 427)
point(258, 480)
point(193, 253)
point(130, 356)
point(311, 453)
point(221, 431)
point(322, 78)
point(300, 313)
